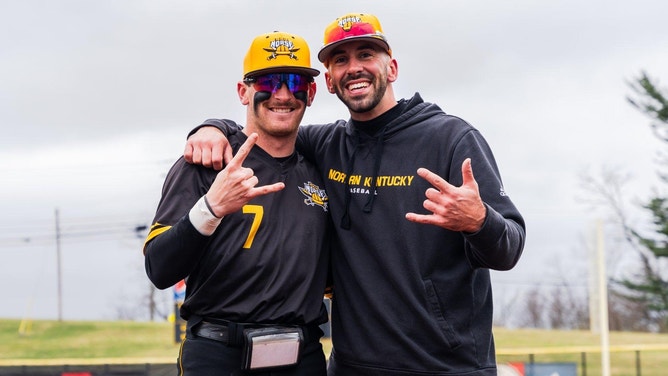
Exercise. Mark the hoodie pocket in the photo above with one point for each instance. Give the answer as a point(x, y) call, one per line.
point(436, 311)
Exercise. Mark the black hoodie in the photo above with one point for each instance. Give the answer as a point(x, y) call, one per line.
point(411, 298)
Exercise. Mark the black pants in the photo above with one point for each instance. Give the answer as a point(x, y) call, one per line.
point(206, 357)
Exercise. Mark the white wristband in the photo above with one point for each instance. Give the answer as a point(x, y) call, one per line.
point(202, 218)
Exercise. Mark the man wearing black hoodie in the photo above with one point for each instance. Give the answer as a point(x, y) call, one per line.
point(416, 231)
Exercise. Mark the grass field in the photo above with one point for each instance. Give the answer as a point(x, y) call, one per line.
point(51, 342)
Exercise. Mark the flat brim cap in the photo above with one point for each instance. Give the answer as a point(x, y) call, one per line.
point(351, 28)
point(278, 52)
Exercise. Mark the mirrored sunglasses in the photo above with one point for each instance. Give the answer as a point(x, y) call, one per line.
point(273, 81)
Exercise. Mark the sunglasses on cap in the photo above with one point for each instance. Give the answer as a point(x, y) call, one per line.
point(272, 82)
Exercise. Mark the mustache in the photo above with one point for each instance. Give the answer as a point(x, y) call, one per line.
point(262, 96)
point(357, 76)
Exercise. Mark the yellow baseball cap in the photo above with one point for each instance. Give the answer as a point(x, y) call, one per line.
point(278, 52)
point(353, 27)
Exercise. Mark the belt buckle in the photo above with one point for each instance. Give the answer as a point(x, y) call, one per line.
point(211, 331)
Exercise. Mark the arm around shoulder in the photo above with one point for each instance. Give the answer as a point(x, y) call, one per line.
point(207, 143)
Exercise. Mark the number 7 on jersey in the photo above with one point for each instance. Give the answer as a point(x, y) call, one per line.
point(258, 213)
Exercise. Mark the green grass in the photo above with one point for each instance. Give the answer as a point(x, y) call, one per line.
point(568, 346)
point(86, 340)
point(47, 342)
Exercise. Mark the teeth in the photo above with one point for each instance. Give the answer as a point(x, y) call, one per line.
point(281, 110)
point(359, 85)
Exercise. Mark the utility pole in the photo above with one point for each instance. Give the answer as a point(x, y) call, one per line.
point(601, 287)
point(59, 269)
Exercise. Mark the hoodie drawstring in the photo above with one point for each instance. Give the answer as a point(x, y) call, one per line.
point(345, 220)
point(380, 142)
point(376, 168)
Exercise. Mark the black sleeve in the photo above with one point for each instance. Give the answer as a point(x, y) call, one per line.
point(173, 246)
point(499, 243)
point(224, 125)
point(173, 254)
point(302, 143)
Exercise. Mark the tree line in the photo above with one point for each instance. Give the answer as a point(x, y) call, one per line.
point(638, 295)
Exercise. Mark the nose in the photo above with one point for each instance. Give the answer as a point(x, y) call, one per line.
point(282, 92)
point(354, 66)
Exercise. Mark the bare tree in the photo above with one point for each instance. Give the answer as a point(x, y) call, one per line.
point(534, 312)
point(566, 310)
point(504, 311)
point(627, 315)
point(633, 301)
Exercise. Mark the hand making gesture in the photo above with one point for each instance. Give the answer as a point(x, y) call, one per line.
point(453, 208)
point(235, 185)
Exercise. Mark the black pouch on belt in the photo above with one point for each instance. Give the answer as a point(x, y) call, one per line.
point(271, 347)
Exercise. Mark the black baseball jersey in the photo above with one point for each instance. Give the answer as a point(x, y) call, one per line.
point(267, 263)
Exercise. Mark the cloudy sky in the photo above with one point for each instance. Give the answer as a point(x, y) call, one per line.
point(96, 99)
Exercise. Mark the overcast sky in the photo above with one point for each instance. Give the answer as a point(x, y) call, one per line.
point(96, 99)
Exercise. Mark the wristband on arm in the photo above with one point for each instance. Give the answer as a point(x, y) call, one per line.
point(202, 217)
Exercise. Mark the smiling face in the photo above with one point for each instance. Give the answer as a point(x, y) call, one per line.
point(361, 74)
point(276, 114)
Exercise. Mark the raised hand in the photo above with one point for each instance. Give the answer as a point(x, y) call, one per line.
point(236, 185)
point(453, 208)
point(208, 147)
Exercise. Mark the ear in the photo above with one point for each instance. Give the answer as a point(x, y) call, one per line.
point(311, 93)
point(243, 92)
point(328, 81)
point(392, 70)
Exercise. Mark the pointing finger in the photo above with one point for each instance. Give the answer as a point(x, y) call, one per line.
point(244, 150)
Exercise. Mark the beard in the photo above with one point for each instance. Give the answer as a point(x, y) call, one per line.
point(366, 103)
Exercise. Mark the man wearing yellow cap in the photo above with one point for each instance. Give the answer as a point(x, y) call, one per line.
point(416, 232)
point(252, 240)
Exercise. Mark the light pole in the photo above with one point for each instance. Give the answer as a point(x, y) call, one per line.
point(59, 269)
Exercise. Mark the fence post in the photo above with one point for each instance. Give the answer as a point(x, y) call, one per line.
point(583, 361)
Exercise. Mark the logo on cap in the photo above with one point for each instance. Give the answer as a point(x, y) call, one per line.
point(278, 52)
point(280, 46)
point(346, 23)
point(350, 27)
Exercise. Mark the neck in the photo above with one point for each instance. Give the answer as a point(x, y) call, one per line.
point(387, 102)
point(372, 126)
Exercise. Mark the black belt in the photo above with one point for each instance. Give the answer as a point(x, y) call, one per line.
point(215, 332)
point(221, 333)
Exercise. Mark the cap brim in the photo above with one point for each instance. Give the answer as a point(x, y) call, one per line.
point(325, 51)
point(305, 71)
